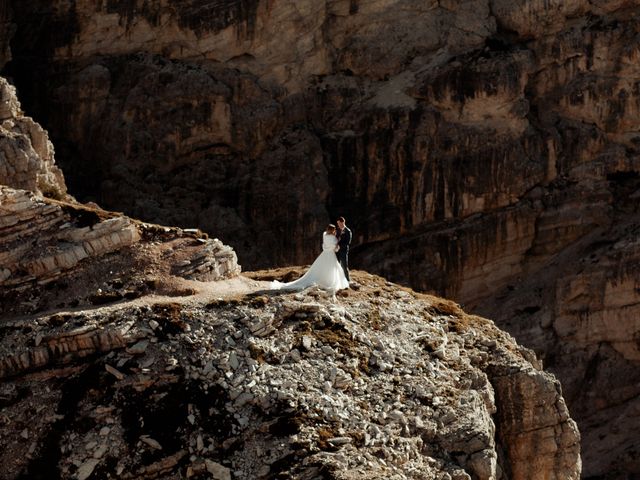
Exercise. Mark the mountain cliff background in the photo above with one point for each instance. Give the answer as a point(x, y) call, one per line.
point(138, 351)
point(483, 150)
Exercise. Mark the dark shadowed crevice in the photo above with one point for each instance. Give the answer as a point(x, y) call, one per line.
point(45, 465)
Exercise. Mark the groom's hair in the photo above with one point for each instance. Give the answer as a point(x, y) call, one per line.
point(341, 219)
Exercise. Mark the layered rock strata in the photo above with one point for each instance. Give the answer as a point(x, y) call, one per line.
point(383, 383)
point(7, 30)
point(44, 241)
point(41, 240)
point(486, 150)
point(584, 323)
point(49, 242)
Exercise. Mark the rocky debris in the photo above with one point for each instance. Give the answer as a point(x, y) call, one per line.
point(26, 154)
point(86, 469)
point(486, 151)
point(378, 383)
point(219, 472)
point(41, 239)
point(47, 242)
point(214, 261)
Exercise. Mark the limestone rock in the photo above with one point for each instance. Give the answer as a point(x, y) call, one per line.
point(26, 154)
point(237, 406)
point(483, 150)
point(538, 445)
point(86, 469)
point(62, 236)
point(217, 471)
point(47, 242)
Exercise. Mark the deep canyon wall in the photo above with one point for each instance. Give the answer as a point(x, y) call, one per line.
point(116, 362)
point(485, 150)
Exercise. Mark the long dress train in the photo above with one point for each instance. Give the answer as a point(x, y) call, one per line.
point(325, 271)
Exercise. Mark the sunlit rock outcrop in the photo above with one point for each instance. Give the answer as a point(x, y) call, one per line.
point(381, 383)
point(26, 154)
point(54, 245)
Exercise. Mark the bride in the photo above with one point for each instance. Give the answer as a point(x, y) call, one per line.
point(325, 272)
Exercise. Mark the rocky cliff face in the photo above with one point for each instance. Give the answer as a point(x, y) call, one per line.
point(382, 383)
point(132, 350)
point(211, 99)
point(54, 243)
point(27, 154)
point(7, 29)
point(486, 150)
point(69, 249)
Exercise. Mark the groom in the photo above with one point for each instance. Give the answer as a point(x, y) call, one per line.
point(344, 239)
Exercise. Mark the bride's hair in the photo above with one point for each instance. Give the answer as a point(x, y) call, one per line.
point(331, 228)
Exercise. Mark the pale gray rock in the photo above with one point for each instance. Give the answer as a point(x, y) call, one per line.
point(151, 442)
point(138, 348)
point(367, 394)
point(86, 469)
point(217, 471)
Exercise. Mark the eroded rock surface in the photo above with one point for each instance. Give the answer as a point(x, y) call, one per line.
point(26, 154)
point(380, 383)
point(65, 246)
point(484, 150)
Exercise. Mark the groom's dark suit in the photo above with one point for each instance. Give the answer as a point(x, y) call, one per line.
point(344, 239)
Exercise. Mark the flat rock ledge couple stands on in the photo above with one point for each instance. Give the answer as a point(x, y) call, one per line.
point(330, 270)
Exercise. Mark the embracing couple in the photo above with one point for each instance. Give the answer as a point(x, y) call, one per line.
point(330, 270)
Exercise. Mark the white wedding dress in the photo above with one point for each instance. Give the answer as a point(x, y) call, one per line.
point(325, 272)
